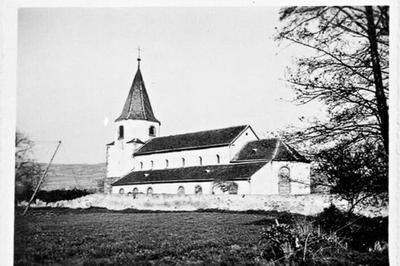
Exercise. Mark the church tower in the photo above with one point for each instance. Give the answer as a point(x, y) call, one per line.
point(136, 125)
point(137, 121)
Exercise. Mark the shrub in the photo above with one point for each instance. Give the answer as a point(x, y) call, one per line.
point(361, 233)
point(54, 195)
point(299, 242)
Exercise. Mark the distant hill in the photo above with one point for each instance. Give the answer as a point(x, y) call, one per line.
point(69, 176)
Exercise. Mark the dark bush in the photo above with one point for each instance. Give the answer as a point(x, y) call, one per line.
point(360, 232)
point(53, 195)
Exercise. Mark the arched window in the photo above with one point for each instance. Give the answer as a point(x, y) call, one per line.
point(121, 132)
point(152, 131)
point(141, 165)
point(151, 164)
point(233, 188)
point(198, 190)
point(166, 163)
point(200, 160)
point(183, 162)
point(181, 190)
point(218, 159)
point(121, 191)
point(284, 180)
point(149, 191)
point(135, 191)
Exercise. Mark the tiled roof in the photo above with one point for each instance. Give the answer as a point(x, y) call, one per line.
point(240, 171)
point(268, 149)
point(137, 105)
point(196, 140)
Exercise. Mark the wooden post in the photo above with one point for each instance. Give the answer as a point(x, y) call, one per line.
point(41, 179)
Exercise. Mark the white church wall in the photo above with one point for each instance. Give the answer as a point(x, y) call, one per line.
point(237, 145)
point(264, 182)
point(209, 157)
point(119, 156)
point(119, 159)
point(189, 188)
point(299, 175)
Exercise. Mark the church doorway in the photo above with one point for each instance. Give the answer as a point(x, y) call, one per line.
point(284, 180)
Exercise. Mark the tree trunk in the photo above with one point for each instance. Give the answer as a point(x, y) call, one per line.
point(383, 112)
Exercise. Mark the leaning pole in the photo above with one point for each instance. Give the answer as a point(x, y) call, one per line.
point(41, 179)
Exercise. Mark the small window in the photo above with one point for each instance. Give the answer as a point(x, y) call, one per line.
point(121, 191)
point(149, 191)
point(121, 132)
point(152, 131)
point(218, 159)
point(135, 191)
point(200, 160)
point(166, 163)
point(151, 164)
point(181, 190)
point(183, 162)
point(198, 190)
point(141, 165)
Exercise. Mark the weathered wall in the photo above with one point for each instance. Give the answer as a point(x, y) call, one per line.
point(304, 204)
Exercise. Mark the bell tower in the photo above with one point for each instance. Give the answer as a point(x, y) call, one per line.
point(137, 120)
point(134, 126)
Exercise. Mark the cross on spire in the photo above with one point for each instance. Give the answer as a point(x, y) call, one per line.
point(139, 50)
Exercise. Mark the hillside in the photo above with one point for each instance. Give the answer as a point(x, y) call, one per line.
point(68, 176)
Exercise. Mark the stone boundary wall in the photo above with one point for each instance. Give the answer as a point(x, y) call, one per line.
point(311, 204)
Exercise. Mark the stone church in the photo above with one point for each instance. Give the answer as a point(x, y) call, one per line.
point(231, 160)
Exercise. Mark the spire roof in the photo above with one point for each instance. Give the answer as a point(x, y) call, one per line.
point(137, 105)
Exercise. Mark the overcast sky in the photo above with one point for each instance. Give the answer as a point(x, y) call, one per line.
point(204, 68)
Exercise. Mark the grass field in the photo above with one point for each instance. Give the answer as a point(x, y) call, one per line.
point(99, 236)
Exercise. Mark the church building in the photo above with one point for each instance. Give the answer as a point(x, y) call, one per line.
point(231, 160)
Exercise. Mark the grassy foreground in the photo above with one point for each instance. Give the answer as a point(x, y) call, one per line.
point(99, 236)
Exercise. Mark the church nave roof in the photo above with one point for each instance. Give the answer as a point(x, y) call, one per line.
point(268, 150)
point(228, 172)
point(195, 140)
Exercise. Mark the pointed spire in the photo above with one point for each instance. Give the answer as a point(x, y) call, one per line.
point(137, 105)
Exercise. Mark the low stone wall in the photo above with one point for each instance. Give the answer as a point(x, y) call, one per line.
point(311, 204)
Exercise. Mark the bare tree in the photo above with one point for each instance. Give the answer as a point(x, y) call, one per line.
point(348, 71)
point(27, 171)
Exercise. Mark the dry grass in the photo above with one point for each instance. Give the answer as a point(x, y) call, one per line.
point(99, 236)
